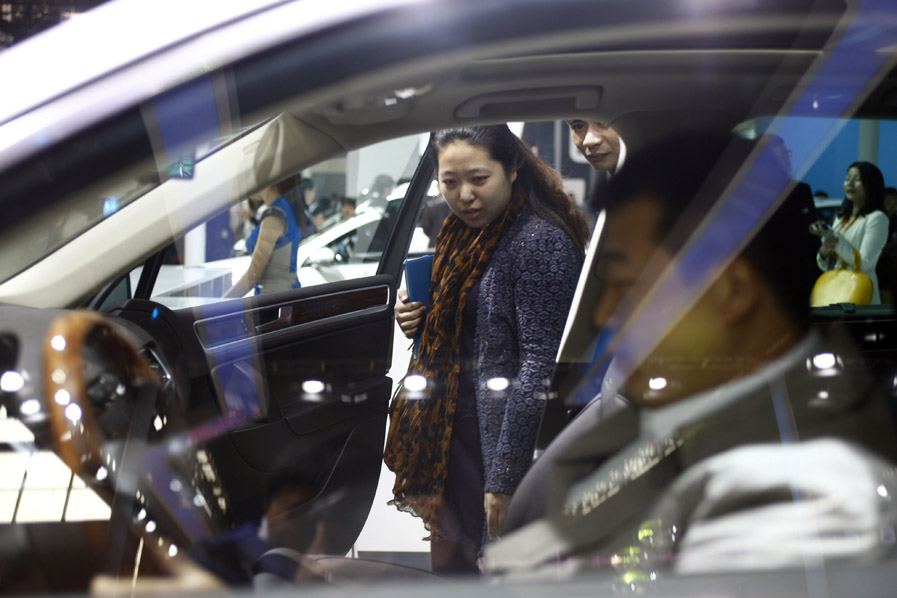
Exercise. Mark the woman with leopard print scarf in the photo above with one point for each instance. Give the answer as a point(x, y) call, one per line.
point(505, 269)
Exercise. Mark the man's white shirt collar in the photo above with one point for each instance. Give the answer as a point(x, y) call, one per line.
point(621, 158)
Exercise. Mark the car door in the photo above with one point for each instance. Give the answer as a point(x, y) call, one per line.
point(284, 388)
point(271, 412)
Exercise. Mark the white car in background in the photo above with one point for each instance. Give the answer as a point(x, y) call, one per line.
point(346, 250)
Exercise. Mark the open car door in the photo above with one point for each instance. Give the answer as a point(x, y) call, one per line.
point(207, 421)
point(286, 391)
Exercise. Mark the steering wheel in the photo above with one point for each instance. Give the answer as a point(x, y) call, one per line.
point(82, 349)
point(90, 370)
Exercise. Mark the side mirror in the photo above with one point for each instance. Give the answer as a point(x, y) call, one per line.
point(321, 257)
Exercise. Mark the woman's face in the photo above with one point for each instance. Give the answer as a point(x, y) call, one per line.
point(474, 185)
point(853, 188)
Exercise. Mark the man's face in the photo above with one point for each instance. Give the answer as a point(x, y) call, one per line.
point(599, 143)
point(630, 248)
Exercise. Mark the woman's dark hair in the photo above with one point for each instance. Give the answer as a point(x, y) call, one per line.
point(873, 185)
point(286, 184)
point(292, 189)
point(541, 184)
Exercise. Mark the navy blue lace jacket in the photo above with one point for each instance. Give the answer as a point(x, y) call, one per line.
point(525, 295)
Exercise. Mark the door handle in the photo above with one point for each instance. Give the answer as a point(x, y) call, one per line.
point(284, 319)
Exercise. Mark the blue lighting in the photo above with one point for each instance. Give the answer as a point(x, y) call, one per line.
point(110, 206)
point(155, 314)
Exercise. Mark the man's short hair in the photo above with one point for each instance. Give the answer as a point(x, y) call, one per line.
point(688, 172)
point(347, 201)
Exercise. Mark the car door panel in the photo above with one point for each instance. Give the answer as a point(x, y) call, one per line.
point(288, 386)
point(339, 461)
point(293, 384)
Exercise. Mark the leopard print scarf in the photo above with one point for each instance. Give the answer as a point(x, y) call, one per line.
point(420, 428)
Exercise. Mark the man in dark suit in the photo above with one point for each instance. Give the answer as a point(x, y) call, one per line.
point(603, 148)
point(599, 143)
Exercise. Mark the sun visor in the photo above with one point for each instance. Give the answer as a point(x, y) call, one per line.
point(286, 146)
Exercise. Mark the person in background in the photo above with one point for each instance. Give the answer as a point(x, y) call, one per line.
point(383, 185)
point(860, 230)
point(378, 193)
point(435, 211)
point(505, 269)
point(273, 245)
point(745, 447)
point(602, 146)
point(323, 208)
point(599, 143)
point(250, 210)
point(346, 207)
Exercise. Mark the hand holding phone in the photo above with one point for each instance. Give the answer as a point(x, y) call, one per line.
point(820, 228)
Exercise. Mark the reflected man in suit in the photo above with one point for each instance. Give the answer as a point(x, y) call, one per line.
point(602, 146)
point(599, 143)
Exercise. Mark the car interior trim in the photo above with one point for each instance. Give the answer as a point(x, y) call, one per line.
point(226, 331)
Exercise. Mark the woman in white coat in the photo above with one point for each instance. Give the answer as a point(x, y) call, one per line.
point(861, 226)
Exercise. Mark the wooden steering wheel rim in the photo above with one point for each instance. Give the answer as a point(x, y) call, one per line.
point(75, 432)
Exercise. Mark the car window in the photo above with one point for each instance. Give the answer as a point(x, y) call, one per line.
point(345, 208)
point(823, 172)
point(817, 168)
point(87, 203)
